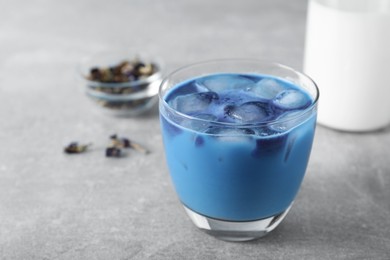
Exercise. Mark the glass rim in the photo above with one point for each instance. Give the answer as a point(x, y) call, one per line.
point(298, 113)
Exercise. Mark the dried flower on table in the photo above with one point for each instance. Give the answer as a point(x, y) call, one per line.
point(75, 147)
point(113, 152)
point(127, 143)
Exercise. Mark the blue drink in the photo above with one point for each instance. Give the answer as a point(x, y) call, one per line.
point(237, 146)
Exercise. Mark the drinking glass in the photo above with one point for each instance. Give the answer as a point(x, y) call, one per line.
point(237, 187)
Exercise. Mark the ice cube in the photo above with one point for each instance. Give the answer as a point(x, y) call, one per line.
point(218, 83)
point(291, 99)
point(188, 89)
point(199, 125)
point(287, 121)
point(206, 117)
point(231, 134)
point(266, 88)
point(250, 112)
point(264, 131)
point(229, 131)
point(194, 103)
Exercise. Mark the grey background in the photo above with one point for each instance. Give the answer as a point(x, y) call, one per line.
point(55, 206)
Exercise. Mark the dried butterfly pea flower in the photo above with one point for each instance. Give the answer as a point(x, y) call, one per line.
point(146, 69)
point(124, 71)
point(127, 143)
point(75, 147)
point(113, 152)
point(95, 74)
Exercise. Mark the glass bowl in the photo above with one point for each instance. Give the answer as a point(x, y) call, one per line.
point(121, 83)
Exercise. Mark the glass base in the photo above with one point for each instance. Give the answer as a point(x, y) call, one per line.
point(236, 231)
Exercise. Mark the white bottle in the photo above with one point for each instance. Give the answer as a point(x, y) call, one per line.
point(347, 53)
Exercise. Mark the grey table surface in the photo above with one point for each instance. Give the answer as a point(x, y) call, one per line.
point(55, 206)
